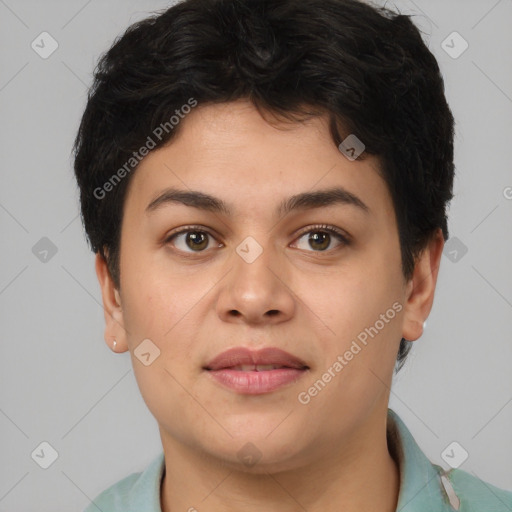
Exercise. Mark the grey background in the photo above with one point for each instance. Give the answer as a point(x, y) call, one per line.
point(61, 384)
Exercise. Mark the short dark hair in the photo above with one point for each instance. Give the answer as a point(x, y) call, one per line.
point(364, 66)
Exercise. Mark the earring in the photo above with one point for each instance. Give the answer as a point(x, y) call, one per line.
point(114, 343)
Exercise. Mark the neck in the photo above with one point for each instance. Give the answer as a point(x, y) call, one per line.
point(361, 475)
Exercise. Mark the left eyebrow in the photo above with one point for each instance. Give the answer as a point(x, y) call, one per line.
point(320, 199)
point(303, 201)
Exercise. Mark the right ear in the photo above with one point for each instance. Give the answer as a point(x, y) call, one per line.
point(112, 307)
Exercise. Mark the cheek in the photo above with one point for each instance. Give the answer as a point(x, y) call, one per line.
point(156, 309)
point(154, 299)
point(166, 308)
point(350, 304)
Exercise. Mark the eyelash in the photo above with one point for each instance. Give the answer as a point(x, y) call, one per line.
point(339, 235)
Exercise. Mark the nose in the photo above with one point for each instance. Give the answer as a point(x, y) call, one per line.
point(255, 290)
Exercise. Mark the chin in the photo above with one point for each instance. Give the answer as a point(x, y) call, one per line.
point(258, 452)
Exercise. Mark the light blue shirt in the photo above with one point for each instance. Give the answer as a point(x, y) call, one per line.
point(424, 487)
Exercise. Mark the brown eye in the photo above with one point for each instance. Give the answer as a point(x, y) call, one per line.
point(320, 239)
point(190, 240)
point(196, 240)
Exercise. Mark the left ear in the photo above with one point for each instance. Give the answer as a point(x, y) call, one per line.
point(421, 288)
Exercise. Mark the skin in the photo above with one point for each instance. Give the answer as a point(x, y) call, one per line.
point(330, 454)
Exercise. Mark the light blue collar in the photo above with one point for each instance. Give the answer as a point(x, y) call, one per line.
point(421, 487)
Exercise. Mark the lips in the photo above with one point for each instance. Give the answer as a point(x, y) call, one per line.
point(250, 372)
point(243, 359)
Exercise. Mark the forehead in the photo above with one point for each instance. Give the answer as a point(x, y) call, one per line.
point(230, 151)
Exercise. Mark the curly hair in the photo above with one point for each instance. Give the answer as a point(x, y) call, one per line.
point(366, 67)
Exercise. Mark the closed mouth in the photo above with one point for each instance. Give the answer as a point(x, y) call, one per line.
point(243, 359)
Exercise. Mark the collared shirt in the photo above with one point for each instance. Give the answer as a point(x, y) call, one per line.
point(424, 487)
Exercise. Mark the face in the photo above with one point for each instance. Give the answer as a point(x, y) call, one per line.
point(318, 279)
